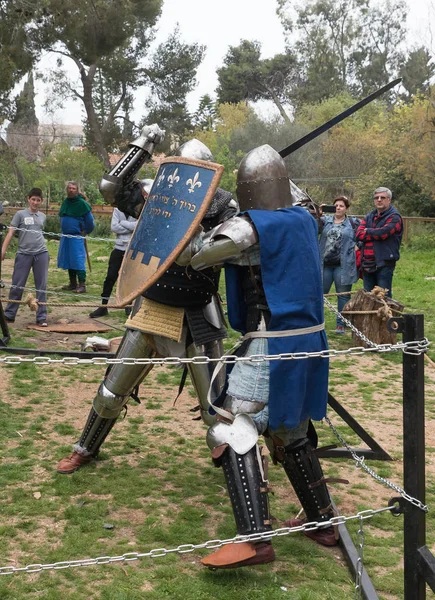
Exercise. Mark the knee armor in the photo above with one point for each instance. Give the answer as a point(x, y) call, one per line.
point(107, 404)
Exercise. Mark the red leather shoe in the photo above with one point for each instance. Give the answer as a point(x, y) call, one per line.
point(72, 463)
point(244, 554)
point(325, 536)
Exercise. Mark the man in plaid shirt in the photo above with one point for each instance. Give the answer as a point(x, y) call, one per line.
point(381, 234)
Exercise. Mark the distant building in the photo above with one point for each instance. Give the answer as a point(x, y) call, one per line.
point(30, 141)
point(57, 133)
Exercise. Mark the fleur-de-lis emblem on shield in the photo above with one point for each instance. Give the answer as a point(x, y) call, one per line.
point(194, 183)
point(161, 177)
point(173, 178)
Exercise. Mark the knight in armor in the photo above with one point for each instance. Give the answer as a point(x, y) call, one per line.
point(275, 299)
point(274, 291)
point(183, 301)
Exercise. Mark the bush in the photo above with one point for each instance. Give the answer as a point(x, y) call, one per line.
point(421, 236)
point(102, 227)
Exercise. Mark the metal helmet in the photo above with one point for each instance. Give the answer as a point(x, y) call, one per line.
point(263, 181)
point(194, 149)
point(146, 185)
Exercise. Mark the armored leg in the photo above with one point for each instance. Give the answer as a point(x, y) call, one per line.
point(112, 396)
point(201, 375)
point(305, 473)
point(235, 448)
point(248, 490)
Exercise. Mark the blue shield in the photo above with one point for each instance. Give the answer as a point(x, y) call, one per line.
point(182, 191)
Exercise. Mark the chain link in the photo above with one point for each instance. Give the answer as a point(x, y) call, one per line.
point(360, 462)
point(185, 548)
point(416, 347)
point(349, 324)
point(55, 293)
point(59, 235)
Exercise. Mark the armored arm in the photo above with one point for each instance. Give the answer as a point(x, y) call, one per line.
point(225, 242)
point(118, 186)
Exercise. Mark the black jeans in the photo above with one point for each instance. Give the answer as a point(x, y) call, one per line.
point(115, 262)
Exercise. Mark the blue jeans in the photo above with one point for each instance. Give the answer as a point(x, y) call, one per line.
point(383, 277)
point(332, 274)
point(39, 265)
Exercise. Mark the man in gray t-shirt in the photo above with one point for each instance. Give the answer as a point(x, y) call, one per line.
point(32, 254)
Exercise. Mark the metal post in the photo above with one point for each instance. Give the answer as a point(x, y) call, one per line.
point(414, 525)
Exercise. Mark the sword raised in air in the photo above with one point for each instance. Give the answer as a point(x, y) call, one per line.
point(337, 119)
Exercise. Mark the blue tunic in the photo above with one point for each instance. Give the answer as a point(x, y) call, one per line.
point(291, 274)
point(72, 254)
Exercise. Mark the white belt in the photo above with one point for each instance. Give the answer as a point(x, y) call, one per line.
point(283, 333)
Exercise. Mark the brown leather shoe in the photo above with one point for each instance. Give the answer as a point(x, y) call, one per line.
point(72, 463)
point(326, 536)
point(244, 554)
point(81, 288)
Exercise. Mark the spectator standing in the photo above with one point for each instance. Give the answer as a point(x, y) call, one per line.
point(337, 252)
point(123, 226)
point(32, 254)
point(381, 234)
point(75, 219)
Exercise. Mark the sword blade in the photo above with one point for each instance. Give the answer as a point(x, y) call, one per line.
point(337, 119)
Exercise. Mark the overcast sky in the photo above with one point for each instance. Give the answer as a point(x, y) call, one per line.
point(225, 25)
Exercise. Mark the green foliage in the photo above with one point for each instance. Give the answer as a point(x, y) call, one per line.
point(354, 46)
point(62, 165)
point(16, 54)
point(10, 191)
point(91, 35)
point(417, 71)
point(245, 76)
point(171, 76)
point(205, 116)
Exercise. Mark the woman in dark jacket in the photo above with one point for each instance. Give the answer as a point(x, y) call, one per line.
point(337, 252)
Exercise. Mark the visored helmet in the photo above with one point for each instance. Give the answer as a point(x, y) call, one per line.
point(263, 181)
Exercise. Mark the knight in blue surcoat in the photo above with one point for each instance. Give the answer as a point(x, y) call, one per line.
point(275, 300)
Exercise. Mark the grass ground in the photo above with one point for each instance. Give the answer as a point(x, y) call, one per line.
point(154, 482)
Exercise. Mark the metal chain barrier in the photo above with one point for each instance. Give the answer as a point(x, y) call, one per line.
point(55, 293)
point(185, 548)
point(416, 347)
point(59, 235)
point(360, 462)
point(348, 323)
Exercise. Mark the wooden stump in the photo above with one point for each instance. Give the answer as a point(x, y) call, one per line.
point(372, 324)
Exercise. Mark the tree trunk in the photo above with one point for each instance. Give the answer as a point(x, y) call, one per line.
point(279, 106)
point(372, 325)
point(94, 126)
